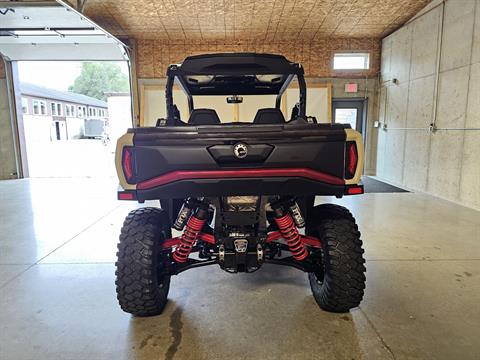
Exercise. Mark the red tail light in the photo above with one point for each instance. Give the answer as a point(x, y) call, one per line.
point(351, 160)
point(354, 190)
point(127, 163)
point(126, 195)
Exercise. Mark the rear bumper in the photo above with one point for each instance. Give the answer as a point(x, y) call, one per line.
point(292, 181)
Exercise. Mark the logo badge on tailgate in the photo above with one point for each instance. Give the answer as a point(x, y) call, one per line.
point(240, 150)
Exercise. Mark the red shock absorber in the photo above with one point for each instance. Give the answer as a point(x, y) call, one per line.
point(290, 233)
point(192, 229)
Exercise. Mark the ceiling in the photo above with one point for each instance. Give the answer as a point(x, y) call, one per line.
point(260, 21)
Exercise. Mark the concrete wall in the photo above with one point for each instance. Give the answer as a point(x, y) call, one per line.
point(7, 155)
point(445, 162)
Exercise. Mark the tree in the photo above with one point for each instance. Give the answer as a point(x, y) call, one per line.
point(97, 78)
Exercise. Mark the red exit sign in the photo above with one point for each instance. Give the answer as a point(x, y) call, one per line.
point(351, 88)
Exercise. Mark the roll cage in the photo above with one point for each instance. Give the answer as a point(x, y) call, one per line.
point(233, 74)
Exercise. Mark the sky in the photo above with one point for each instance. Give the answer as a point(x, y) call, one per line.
point(58, 75)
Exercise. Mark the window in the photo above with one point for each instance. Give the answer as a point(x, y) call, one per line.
point(39, 107)
point(81, 111)
point(90, 112)
point(24, 105)
point(346, 116)
point(56, 109)
point(351, 61)
point(70, 110)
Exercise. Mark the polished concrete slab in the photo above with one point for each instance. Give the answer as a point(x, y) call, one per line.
point(57, 295)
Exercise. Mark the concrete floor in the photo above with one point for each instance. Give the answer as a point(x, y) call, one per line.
point(57, 295)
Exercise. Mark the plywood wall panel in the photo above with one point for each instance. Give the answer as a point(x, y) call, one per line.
point(154, 56)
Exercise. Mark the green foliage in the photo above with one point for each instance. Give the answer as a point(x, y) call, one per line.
point(97, 78)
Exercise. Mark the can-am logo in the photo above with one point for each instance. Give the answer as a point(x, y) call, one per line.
point(240, 151)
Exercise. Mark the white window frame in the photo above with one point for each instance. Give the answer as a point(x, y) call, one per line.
point(56, 108)
point(25, 105)
point(41, 106)
point(81, 111)
point(69, 110)
point(351, 54)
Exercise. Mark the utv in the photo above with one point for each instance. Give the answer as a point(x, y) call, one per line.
point(238, 193)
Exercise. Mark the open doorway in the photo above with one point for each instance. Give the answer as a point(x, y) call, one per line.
point(69, 90)
point(72, 113)
point(350, 111)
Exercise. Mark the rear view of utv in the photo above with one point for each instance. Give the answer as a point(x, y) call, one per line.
point(238, 194)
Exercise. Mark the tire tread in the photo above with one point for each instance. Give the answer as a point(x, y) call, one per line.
point(136, 266)
point(344, 280)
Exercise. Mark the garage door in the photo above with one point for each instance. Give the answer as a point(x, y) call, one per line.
point(46, 30)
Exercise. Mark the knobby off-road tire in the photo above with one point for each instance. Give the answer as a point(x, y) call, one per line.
point(140, 290)
point(339, 283)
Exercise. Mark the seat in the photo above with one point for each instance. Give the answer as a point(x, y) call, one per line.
point(269, 116)
point(203, 117)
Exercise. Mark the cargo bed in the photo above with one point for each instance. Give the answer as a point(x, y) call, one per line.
point(181, 161)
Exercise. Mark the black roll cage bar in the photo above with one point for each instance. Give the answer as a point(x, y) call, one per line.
point(176, 73)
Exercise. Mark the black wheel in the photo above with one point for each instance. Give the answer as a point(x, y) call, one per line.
point(142, 289)
point(339, 281)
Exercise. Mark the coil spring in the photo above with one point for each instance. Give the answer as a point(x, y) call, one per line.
point(290, 233)
point(189, 236)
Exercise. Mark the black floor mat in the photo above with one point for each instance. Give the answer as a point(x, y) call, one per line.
point(372, 185)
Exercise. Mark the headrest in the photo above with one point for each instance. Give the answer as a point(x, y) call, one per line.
point(269, 116)
point(203, 117)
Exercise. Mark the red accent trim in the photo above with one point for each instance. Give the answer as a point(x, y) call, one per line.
point(310, 240)
point(171, 242)
point(272, 236)
point(207, 238)
point(307, 240)
point(240, 173)
point(176, 240)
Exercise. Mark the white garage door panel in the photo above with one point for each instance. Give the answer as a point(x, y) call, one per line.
point(62, 52)
point(39, 16)
point(54, 33)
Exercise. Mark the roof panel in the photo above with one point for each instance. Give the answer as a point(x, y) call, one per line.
point(43, 92)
